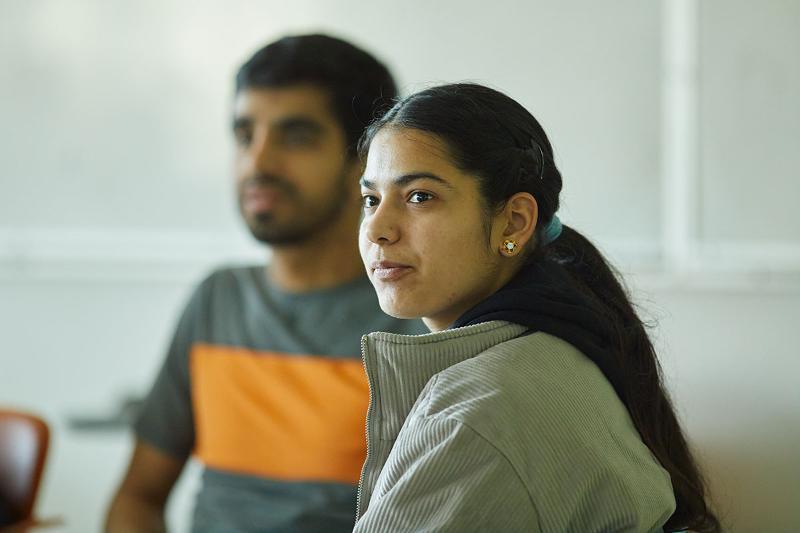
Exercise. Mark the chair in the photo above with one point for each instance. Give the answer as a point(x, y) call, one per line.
point(24, 440)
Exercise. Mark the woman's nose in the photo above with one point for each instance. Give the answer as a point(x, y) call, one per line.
point(382, 225)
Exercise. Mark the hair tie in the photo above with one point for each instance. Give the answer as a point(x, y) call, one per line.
point(552, 231)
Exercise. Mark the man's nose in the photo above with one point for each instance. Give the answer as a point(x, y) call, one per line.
point(263, 156)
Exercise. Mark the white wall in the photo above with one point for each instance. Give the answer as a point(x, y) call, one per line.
point(731, 360)
point(676, 126)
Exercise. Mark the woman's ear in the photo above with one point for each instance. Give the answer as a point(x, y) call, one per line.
point(516, 224)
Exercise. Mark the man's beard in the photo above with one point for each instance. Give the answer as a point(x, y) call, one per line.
point(308, 220)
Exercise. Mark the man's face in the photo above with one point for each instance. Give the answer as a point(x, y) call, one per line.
point(292, 172)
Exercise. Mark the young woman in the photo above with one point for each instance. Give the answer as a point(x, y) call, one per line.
point(535, 403)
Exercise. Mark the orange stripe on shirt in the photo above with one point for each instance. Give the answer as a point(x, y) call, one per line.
point(277, 415)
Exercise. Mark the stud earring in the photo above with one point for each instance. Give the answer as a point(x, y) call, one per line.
point(509, 246)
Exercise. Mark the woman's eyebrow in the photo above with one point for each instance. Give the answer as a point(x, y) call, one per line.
point(405, 179)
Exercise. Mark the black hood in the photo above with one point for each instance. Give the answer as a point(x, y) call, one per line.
point(542, 298)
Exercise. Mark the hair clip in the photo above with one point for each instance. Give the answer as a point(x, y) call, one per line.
point(534, 144)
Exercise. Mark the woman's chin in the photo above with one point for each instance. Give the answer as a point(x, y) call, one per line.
point(397, 310)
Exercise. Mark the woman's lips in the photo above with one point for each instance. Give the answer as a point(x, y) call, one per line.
point(389, 271)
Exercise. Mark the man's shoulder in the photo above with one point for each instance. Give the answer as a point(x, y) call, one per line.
point(226, 277)
point(353, 307)
point(222, 287)
point(233, 273)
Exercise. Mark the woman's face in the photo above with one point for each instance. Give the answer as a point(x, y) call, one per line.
point(423, 237)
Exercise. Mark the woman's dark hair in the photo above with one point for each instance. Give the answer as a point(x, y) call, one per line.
point(491, 136)
point(360, 87)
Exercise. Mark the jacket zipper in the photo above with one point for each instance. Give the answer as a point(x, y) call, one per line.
point(366, 428)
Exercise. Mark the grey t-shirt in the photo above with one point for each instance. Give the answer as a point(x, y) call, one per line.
point(266, 388)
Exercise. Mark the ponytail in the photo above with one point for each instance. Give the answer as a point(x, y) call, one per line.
point(645, 397)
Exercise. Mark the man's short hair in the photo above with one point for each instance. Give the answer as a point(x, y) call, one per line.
point(360, 86)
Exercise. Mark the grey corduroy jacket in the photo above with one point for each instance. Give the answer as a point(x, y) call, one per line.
point(485, 428)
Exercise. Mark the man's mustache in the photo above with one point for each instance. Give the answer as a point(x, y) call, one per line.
point(268, 180)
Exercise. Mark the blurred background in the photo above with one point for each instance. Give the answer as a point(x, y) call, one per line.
point(676, 125)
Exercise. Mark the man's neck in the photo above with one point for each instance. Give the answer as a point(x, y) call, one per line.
point(329, 259)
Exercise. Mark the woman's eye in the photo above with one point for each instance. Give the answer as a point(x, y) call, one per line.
point(417, 197)
point(368, 201)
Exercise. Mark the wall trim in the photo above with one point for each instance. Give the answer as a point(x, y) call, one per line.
point(124, 255)
point(181, 256)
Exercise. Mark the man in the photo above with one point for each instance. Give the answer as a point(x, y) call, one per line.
point(263, 381)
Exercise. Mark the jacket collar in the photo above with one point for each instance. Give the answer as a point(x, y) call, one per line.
point(543, 297)
point(399, 366)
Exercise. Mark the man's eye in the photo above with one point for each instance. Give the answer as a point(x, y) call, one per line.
point(369, 201)
point(418, 197)
point(299, 138)
point(243, 138)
